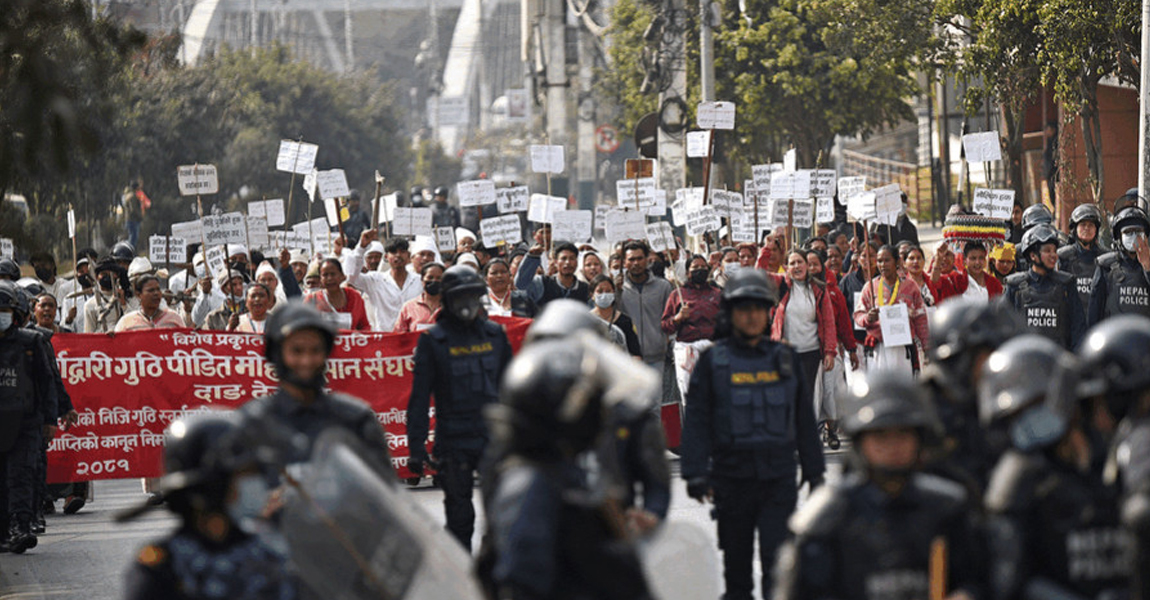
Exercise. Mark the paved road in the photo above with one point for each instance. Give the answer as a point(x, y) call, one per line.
point(83, 556)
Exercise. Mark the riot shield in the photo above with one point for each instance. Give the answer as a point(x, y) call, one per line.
point(680, 563)
point(354, 535)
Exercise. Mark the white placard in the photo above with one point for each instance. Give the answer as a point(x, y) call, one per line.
point(320, 242)
point(7, 248)
point(307, 228)
point(778, 212)
point(296, 157)
point(257, 209)
point(894, 320)
point(783, 185)
point(189, 230)
point(387, 206)
point(982, 147)
point(451, 111)
point(625, 225)
point(513, 199)
point(546, 159)
point(791, 160)
point(445, 239)
point(636, 194)
point(660, 236)
point(825, 210)
point(165, 249)
point(996, 204)
point(659, 208)
point(71, 224)
point(197, 179)
point(702, 220)
point(724, 201)
point(258, 233)
point(823, 182)
point(572, 226)
point(500, 230)
point(850, 186)
point(331, 209)
point(698, 144)
point(227, 228)
point(411, 221)
point(762, 176)
point(743, 228)
point(715, 115)
point(803, 213)
point(332, 184)
point(861, 206)
point(309, 184)
point(476, 193)
point(542, 208)
point(216, 260)
point(801, 189)
point(288, 239)
point(272, 210)
point(601, 212)
point(887, 203)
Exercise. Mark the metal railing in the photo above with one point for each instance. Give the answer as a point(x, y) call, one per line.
point(882, 171)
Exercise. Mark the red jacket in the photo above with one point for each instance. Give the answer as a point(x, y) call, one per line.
point(843, 323)
point(824, 315)
point(955, 284)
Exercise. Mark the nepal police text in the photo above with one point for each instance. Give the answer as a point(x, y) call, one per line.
point(1041, 317)
point(1133, 295)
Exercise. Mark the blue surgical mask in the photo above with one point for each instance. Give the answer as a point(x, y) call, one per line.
point(251, 498)
point(604, 300)
point(5, 321)
point(731, 268)
point(1130, 240)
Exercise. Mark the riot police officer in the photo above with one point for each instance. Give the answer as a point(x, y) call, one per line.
point(27, 411)
point(215, 484)
point(1033, 216)
point(963, 332)
point(744, 423)
point(1078, 258)
point(460, 361)
point(442, 213)
point(886, 529)
point(1122, 280)
point(297, 342)
point(1052, 524)
point(1046, 297)
point(551, 533)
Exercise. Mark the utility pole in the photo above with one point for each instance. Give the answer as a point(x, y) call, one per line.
point(586, 163)
point(706, 51)
point(1144, 107)
point(554, 31)
point(672, 101)
point(348, 36)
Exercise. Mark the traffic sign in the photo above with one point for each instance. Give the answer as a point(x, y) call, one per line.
point(606, 139)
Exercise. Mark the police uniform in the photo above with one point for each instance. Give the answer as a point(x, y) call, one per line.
point(460, 364)
point(743, 425)
point(63, 407)
point(1080, 263)
point(1120, 286)
point(1050, 305)
point(27, 403)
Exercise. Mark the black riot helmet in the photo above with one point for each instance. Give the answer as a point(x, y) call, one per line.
point(33, 287)
point(295, 316)
point(964, 327)
point(889, 400)
point(442, 192)
point(563, 317)
point(1085, 212)
point(1129, 216)
point(749, 285)
point(24, 302)
point(9, 269)
point(1036, 214)
point(1130, 198)
point(123, 251)
point(462, 292)
point(9, 295)
point(1035, 238)
point(1115, 362)
point(201, 453)
point(1029, 387)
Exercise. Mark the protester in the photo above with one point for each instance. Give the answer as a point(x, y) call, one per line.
point(150, 315)
point(887, 289)
point(913, 267)
point(387, 291)
point(109, 304)
point(542, 289)
point(226, 317)
point(258, 303)
point(266, 275)
point(644, 298)
point(591, 265)
point(728, 265)
point(693, 309)
point(357, 220)
point(501, 300)
point(1002, 261)
point(420, 312)
point(343, 305)
point(974, 282)
point(605, 305)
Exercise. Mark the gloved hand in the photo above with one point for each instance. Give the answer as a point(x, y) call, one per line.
point(816, 483)
point(415, 464)
point(699, 488)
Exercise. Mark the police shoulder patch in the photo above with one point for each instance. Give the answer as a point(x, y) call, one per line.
point(152, 556)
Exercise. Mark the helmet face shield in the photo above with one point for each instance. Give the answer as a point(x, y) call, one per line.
point(467, 307)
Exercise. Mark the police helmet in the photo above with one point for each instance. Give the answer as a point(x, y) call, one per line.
point(123, 251)
point(750, 285)
point(548, 400)
point(1115, 360)
point(294, 316)
point(462, 288)
point(24, 302)
point(9, 296)
point(1130, 216)
point(1085, 212)
point(9, 269)
point(963, 325)
point(1036, 214)
point(1035, 238)
point(563, 317)
point(1017, 374)
point(32, 286)
point(441, 191)
point(888, 400)
point(354, 195)
point(1131, 198)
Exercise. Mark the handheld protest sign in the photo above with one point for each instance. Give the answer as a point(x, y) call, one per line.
point(982, 147)
point(196, 180)
point(542, 208)
point(7, 248)
point(501, 230)
point(411, 221)
point(547, 158)
point(887, 204)
point(625, 225)
point(478, 192)
point(571, 226)
point(638, 194)
point(445, 239)
point(698, 142)
point(296, 157)
point(512, 199)
point(332, 183)
point(660, 236)
point(167, 249)
point(996, 204)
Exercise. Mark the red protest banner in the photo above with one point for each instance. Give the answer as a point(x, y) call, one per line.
point(129, 387)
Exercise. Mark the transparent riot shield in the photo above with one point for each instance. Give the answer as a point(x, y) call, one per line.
point(681, 563)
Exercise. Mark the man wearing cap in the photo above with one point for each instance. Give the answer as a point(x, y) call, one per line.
point(238, 259)
point(373, 257)
point(232, 285)
point(386, 291)
point(464, 240)
point(423, 252)
point(357, 221)
point(103, 311)
point(72, 305)
point(292, 272)
point(209, 300)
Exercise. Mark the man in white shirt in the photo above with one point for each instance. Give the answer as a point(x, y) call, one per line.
point(388, 291)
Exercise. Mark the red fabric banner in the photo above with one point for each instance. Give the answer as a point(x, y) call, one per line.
point(129, 387)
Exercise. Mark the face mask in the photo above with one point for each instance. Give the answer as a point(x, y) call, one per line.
point(5, 321)
point(432, 287)
point(1130, 239)
point(698, 277)
point(613, 273)
point(604, 300)
point(251, 499)
point(106, 284)
point(85, 281)
point(731, 268)
point(658, 269)
point(467, 310)
point(45, 273)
